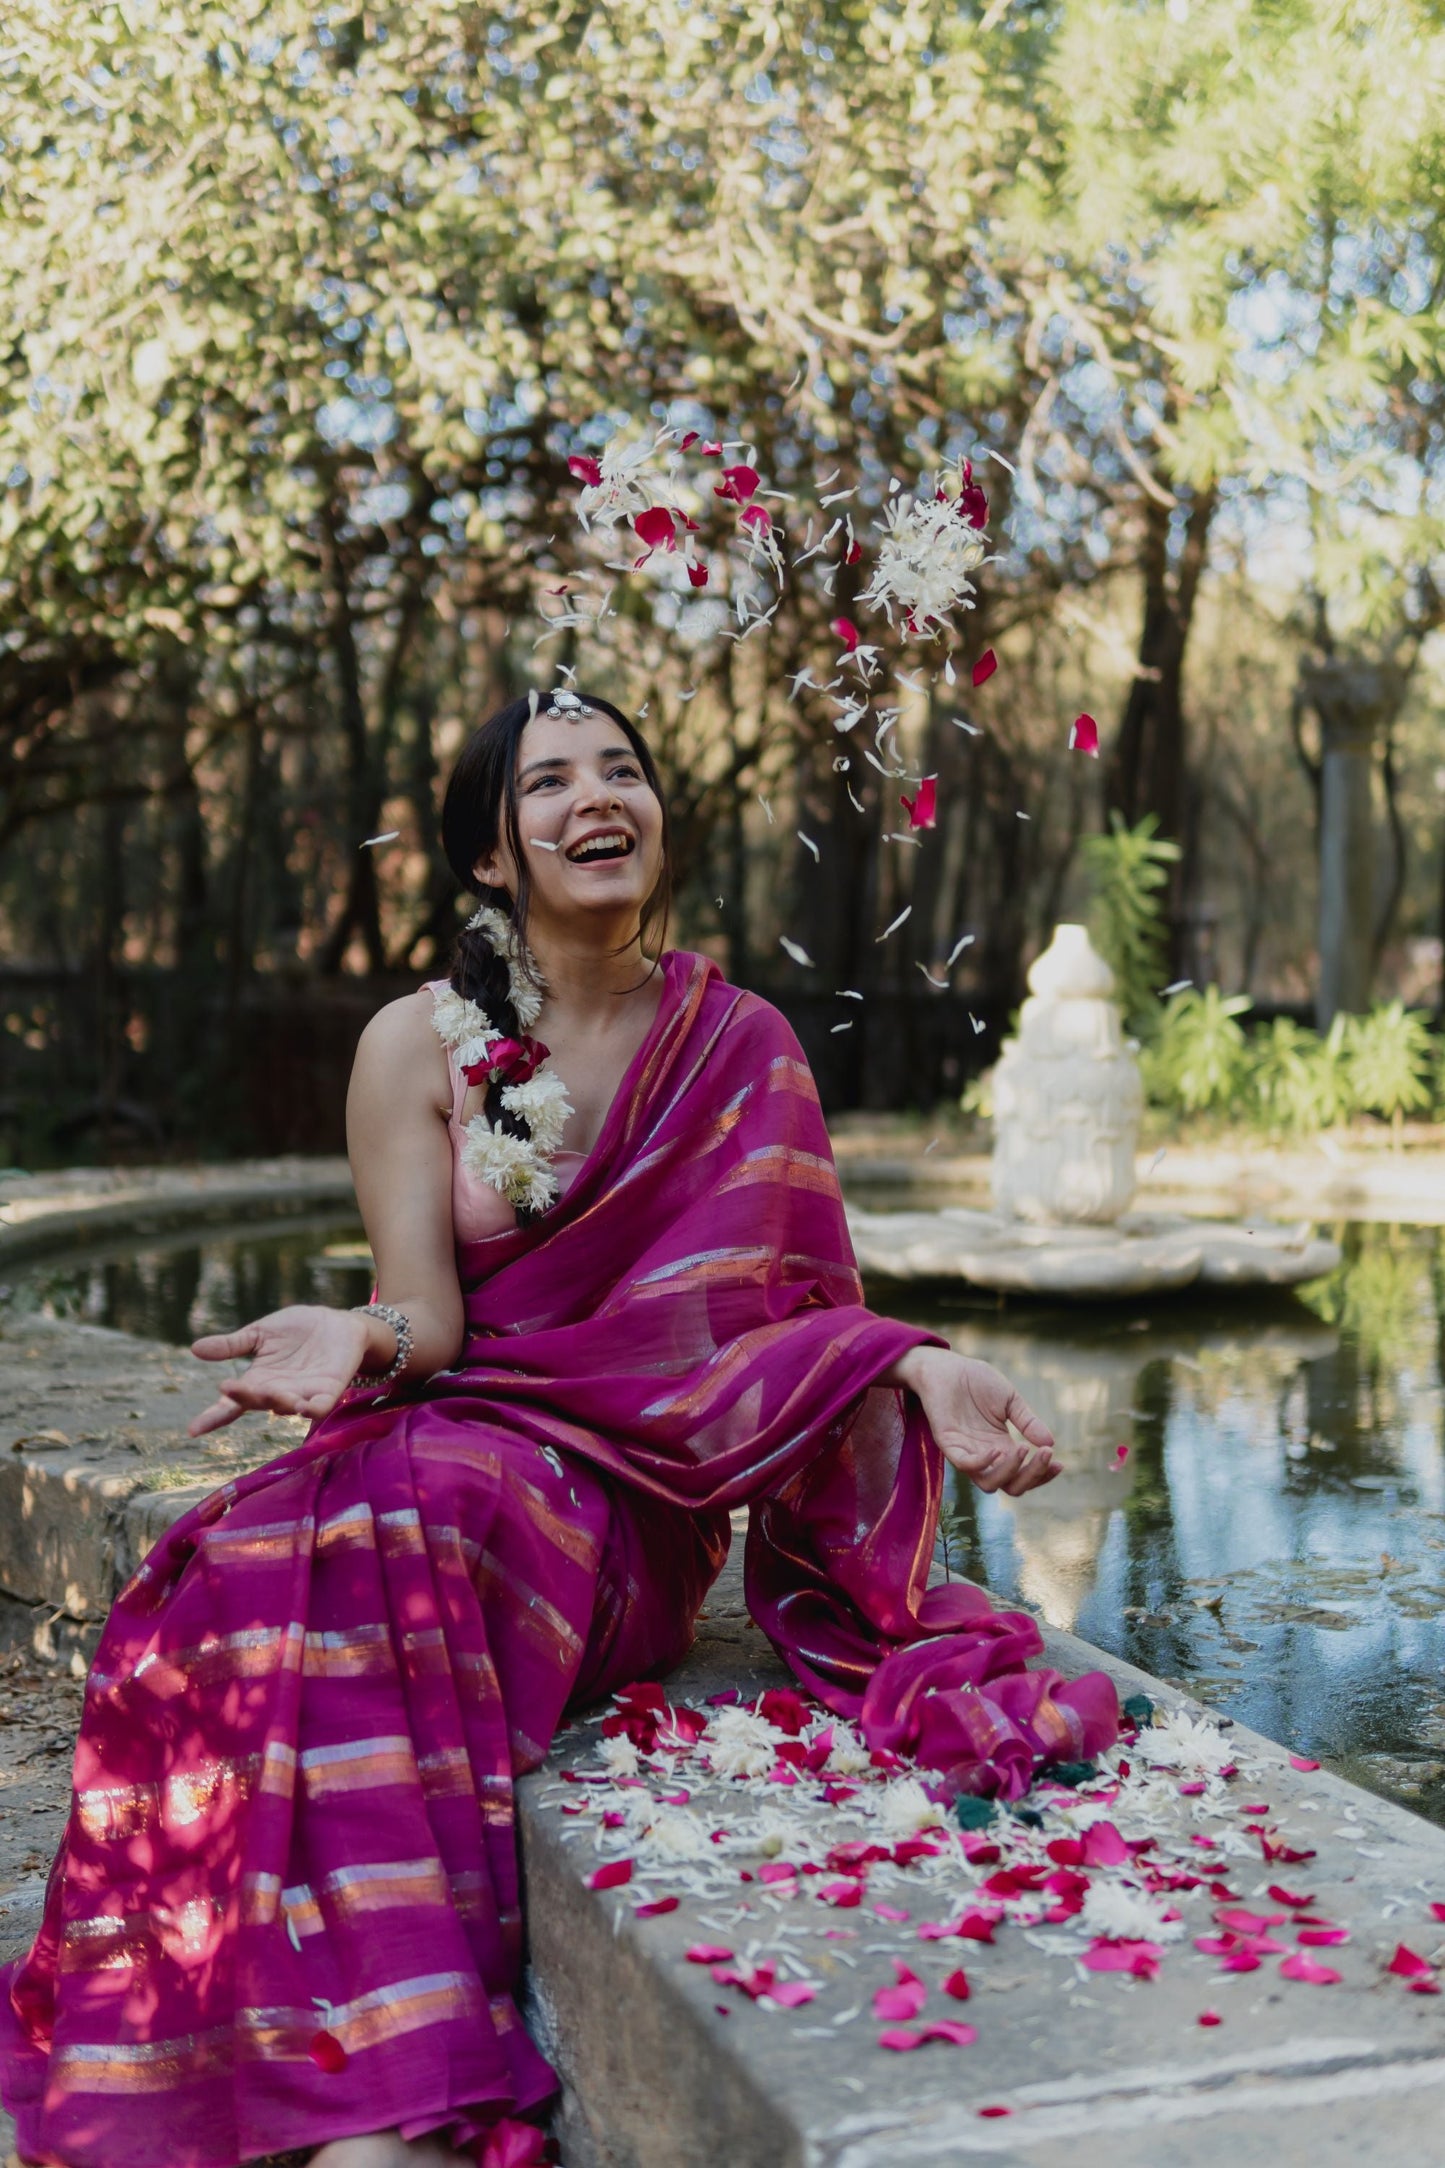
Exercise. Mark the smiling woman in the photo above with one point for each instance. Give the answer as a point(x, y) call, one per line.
point(615, 1300)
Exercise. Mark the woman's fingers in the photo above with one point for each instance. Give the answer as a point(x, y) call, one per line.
point(219, 1413)
point(1021, 1415)
point(220, 1347)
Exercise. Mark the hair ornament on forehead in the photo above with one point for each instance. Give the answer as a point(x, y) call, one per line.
point(567, 702)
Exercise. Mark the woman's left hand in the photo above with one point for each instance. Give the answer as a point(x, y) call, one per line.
point(970, 1407)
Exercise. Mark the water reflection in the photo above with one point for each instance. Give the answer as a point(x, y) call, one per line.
point(1275, 1538)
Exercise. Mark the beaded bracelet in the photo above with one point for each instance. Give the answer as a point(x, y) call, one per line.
point(400, 1324)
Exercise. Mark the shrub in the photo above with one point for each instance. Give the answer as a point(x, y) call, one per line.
point(1126, 869)
point(1198, 1061)
point(1388, 1055)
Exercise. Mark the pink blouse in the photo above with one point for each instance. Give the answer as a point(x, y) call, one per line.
point(478, 1210)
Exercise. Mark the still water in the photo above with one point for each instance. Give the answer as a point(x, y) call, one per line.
point(1273, 1536)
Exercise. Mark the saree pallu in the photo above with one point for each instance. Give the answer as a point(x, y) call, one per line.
point(286, 1907)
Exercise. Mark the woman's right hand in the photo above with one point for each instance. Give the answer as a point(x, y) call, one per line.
point(301, 1361)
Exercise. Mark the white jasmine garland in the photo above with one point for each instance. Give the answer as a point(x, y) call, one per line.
point(1122, 1914)
point(741, 1744)
point(1182, 1742)
point(618, 1756)
point(906, 1808)
point(924, 560)
point(519, 1167)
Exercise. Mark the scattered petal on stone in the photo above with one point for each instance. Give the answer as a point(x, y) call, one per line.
point(904, 2000)
point(1139, 1958)
point(654, 1906)
point(708, 1953)
point(995, 2111)
point(1323, 1937)
point(1299, 1967)
point(957, 1985)
point(511, 2144)
point(1406, 1965)
point(1084, 735)
point(1296, 1901)
point(902, 2038)
point(611, 1874)
point(1301, 1761)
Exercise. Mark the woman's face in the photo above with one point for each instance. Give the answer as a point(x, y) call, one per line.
point(588, 821)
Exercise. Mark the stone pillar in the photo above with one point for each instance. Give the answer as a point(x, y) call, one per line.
point(1347, 866)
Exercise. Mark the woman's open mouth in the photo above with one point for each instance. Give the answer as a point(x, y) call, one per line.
point(599, 849)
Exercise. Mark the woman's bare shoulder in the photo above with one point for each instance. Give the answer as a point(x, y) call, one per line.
point(399, 1049)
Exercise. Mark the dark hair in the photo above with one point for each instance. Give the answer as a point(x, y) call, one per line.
point(479, 808)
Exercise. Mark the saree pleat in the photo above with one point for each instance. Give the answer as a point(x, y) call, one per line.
point(286, 1907)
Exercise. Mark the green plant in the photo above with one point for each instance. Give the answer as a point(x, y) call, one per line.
point(1199, 1056)
point(1287, 1082)
point(1127, 868)
point(1389, 1056)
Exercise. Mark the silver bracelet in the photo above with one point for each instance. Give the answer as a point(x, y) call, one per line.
point(400, 1324)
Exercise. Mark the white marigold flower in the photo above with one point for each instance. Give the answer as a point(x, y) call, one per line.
point(543, 1105)
point(1184, 1743)
point(668, 1832)
point(741, 1744)
point(905, 1807)
point(849, 1756)
point(925, 558)
point(618, 1756)
point(457, 1020)
point(618, 484)
point(509, 1164)
point(476, 1049)
point(1122, 1914)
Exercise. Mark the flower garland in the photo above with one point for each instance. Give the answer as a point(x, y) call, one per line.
point(520, 1167)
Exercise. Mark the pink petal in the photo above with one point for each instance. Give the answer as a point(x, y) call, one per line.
point(1084, 736)
point(327, 2053)
point(853, 553)
point(688, 441)
point(841, 1894)
point(1139, 1958)
point(584, 469)
point(738, 483)
point(952, 2029)
point(847, 632)
point(1209, 2017)
point(1299, 1967)
point(708, 1953)
point(1291, 1898)
point(1437, 1912)
point(785, 1710)
point(710, 451)
point(891, 1912)
point(696, 573)
point(957, 1985)
point(792, 1993)
point(655, 527)
point(900, 2002)
point(995, 2111)
point(1300, 1761)
point(922, 811)
point(1247, 1923)
point(984, 668)
point(1407, 1965)
point(1103, 1847)
point(514, 2145)
point(654, 1907)
point(1323, 1937)
point(756, 515)
point(611, 1875)
point(900, 2040)
point(973, 505)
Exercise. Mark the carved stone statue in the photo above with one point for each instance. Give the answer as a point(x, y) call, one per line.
point(1066, 1095)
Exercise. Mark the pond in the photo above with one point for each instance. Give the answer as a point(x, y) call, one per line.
point(1254, 1502)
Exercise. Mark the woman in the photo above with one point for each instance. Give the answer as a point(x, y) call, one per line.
point(615, 1298)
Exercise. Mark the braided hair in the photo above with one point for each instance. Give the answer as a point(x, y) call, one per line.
point(478, 811)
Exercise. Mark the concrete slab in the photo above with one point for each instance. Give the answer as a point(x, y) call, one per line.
point(43, 1213)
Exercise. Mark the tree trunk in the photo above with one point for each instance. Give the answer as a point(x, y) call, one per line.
point(1353, 700)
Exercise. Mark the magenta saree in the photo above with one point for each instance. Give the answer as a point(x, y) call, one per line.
point(286, 1905)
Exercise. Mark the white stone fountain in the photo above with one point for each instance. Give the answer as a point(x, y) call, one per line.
point(1067, 1104)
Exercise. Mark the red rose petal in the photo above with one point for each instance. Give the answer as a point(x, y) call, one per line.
point(737, 484)
point(957, 1985)
point(984, 668)
point(995, 2111)
point(1323, 1937)
point(655, 527)
point(327, 2053)
point(1209, 2017)
point(1407, 1965)
point(1292, 1898)
point(922, 810)
point(846, 631)
point(1084, 735)
point(1302, 1761)
point(611, 1875)
point(1300, 1967)
point(708, 1953)
point(696, 573)
point(654, 1907)
point(583, 469)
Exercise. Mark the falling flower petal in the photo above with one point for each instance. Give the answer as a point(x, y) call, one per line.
point(327, 2053)
point(697, 574)
point(984, 668)
point(922, 810)
point(372, 841)
point(611, 1874)
point(655, 527)
point(585, 470)
point(906, 913)
point(737, 483)
point(847, 632)
point(1084, 735)
point(757, 516)
point(795, 949)
point(1299, 1967)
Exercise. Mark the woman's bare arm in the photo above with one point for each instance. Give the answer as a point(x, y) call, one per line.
point(303, 1358)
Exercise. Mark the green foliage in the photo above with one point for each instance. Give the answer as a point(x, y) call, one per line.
point(1127, 869)
point(1291, 1079)
point(1388, 1054)
point(1199, 1055)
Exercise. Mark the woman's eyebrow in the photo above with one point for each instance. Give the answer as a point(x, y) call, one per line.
point(558, 760)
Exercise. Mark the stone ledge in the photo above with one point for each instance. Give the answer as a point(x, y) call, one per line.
point(47, 1213)
point(1117, 2075)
